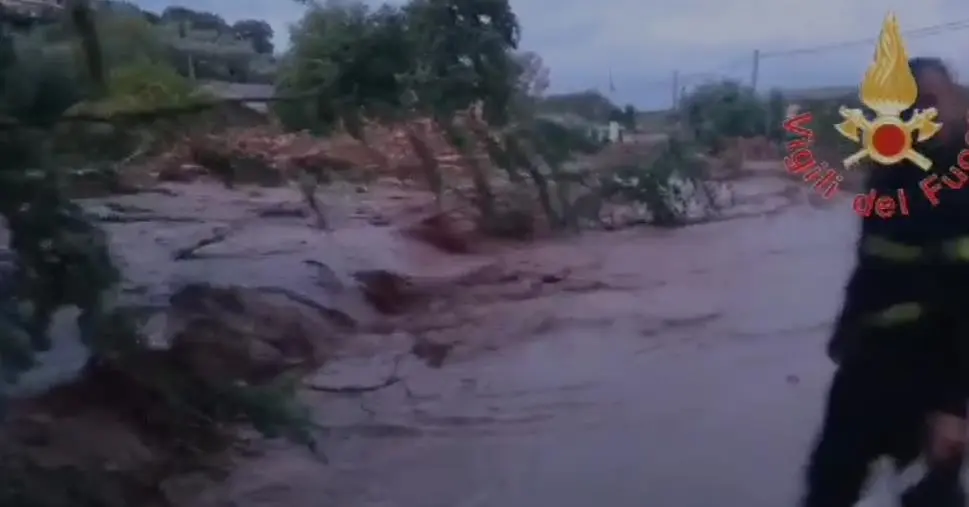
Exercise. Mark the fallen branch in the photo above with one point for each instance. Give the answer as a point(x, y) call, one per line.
point(354, 389)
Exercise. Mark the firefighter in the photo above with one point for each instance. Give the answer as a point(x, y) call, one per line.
point(900, 387)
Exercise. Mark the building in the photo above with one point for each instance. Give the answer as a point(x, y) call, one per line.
point(611, 132)
point(32, 8)
point(226, 90)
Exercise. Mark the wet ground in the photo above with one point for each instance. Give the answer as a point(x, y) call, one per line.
point(680, 369)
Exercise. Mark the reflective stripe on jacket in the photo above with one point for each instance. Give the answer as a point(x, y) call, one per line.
point(956, 250)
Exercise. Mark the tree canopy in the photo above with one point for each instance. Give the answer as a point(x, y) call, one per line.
point(717, 111)
point(200, 44)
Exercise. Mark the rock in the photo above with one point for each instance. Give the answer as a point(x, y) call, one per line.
point(388, 292)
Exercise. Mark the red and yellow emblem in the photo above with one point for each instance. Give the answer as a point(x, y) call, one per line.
point(888, 89)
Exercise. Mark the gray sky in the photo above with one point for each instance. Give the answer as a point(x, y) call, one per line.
point(644, 41)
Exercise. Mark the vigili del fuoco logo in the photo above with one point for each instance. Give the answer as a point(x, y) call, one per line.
point(888, 89)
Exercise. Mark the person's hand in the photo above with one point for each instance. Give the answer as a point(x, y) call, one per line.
point(947, 436)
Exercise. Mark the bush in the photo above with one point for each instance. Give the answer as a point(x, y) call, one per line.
point(139, 86)
point(718, 111)
point(665, 183)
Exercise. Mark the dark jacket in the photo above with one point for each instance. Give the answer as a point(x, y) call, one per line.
point(936, 282)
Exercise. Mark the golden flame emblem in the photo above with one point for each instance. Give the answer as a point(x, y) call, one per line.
point(888, 89)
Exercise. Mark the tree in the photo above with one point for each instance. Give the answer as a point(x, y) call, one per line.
point(776, 112)
point(127, 37)
point(436, 59)
point(590, 105)
point(533, 79)
point(616, 115)
point(258, 32)
point(717, 111)
point(432, 58)
point(629, 117)
point(464, 55)
point(464, 61)
point(151, 17)
point(198, 20)
point(357, 61)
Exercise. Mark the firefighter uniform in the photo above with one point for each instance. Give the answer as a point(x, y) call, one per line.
point(898, 341)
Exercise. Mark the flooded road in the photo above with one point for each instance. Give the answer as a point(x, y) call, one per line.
point(692, 375)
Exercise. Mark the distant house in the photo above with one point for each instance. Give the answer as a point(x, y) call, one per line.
point(29, 12)
point(35, 7)
point(611, 132)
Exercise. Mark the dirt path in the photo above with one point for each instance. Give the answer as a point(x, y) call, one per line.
point(679, 368)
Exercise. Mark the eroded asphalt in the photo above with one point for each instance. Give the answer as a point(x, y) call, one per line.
point(693, 375)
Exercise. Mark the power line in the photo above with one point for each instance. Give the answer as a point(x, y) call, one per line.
point(718, 72)
point(916, 33)
point(690, 77)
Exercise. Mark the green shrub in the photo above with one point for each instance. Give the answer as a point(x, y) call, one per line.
point(139, 86)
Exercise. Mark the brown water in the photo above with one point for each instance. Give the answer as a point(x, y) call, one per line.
point(679, 369)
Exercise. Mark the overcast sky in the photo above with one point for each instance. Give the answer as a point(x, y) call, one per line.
point(642, 42)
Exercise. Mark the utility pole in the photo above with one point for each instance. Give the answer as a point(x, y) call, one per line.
point(756, 70)
point(191, 68)
point(676, 90)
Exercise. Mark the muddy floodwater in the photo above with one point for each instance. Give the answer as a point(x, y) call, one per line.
point(680, 368)
point(642, 367)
